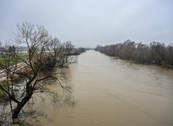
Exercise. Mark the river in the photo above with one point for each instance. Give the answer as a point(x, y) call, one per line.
point(112, 92)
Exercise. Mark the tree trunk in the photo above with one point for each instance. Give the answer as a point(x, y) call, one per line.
point(20, 105)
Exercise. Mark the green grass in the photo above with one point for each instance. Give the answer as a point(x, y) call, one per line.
point(11, 60)
point(22, 55)
point(2, 93)
point(4, 85)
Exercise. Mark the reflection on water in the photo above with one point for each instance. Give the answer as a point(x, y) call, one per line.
point(109, 92)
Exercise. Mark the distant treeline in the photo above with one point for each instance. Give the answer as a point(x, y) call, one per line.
point(23, 49)
point(79, 50)
point(154, 53)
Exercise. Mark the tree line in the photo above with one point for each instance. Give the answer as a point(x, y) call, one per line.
point(153, 53)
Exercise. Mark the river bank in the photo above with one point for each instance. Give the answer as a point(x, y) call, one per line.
point(155, 53)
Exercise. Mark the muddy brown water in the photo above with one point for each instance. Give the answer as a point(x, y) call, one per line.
point(112, 92)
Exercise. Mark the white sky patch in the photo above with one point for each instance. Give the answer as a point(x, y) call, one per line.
point(92, 22)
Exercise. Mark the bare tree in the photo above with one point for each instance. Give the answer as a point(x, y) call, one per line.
point(68, 46)
point(158, 52)
point(8, 64)
point(62, 51)
point(36, 66)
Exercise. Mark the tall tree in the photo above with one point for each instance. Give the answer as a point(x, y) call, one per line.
point(36, 66)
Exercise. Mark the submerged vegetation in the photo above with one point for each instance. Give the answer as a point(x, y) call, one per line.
point(154, 53)
point(42, 60)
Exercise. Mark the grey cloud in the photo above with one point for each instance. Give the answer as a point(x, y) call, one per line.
point(92, 22)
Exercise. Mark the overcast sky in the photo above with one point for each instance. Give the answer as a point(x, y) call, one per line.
point(91, 22)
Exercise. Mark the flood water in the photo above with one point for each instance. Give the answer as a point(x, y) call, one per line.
point(113, 92)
